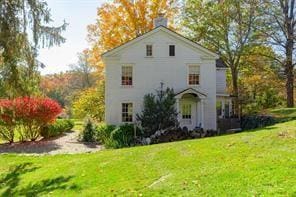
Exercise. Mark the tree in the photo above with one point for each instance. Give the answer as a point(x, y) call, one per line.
point(23, 30)
point(260, 82)
point(227, 27)
point(122, 20)
point(280, 29)
point(159, 111)
point(84, 69)
point(90, 102)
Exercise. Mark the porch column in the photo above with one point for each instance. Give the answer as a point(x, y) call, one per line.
point(178, 108)
point(230, 107)
point(223, 108)
point(202, 112)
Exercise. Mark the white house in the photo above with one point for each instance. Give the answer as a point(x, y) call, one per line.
point(161, 55)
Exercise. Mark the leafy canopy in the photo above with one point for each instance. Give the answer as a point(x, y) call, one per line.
point(119, 21)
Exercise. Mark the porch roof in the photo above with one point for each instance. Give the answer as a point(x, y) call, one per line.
point(190, 91)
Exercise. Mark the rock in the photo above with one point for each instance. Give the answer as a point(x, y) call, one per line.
point(157, 133)
point(147, 141)
point(195, 134)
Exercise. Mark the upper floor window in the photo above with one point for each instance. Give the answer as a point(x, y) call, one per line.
point(127, 75)
point(172, 50)
point(148, 50)
point(193, 75)
point(127, 112)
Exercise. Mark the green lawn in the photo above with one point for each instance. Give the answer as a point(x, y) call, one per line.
point(284, 113)
point(261, 163)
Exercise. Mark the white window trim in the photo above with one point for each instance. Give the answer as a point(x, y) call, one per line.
point(146, 50)
point(133, 116)
point(133, 75)
point(187, 76)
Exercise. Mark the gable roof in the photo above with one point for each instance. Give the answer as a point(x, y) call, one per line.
point(191, 91)
point(220, 63)
point(164, 29)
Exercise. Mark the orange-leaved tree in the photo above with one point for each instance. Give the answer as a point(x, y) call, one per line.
point(119, 21)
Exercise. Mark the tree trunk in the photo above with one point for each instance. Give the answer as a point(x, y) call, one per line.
point(289, 72)
point(288, 10)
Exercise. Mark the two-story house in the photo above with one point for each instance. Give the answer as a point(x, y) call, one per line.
point(161, 55)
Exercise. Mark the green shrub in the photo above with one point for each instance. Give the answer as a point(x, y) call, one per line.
point(123, 136)
point(58, 127)
point(103, 133)
point(7, 133)
point(116, 136)
point(259, 121)
point(89, 131)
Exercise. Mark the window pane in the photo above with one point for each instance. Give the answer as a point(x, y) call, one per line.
point(193, 76)
point(127, 75)
point(227, 110)
point(186, 111)
point(172, 50)
point(219, 108)
point(149, 50)
point(127, 112)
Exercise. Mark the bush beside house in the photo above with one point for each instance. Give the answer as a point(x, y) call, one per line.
point(109, 135)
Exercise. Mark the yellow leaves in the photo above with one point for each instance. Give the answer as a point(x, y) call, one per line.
point(90, 102)
point(122, 20)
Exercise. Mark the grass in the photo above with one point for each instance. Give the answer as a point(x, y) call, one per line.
point(78, 125)
point(287, 113)
point(260, 162)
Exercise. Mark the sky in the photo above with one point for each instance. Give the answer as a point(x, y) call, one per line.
point(79, 14)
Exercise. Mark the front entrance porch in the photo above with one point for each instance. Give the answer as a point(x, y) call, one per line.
point(190, 108)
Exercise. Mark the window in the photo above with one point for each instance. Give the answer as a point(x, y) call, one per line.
point(127, 75)
point(186, 111)
point(127, 112)
point(227, 110)
point(219, 108)
point(193, 76)
point(149, 50)
point(172, 50)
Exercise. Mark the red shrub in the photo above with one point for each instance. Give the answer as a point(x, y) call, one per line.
point(31, 112)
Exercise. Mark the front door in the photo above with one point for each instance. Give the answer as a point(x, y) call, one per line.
point(188, 115)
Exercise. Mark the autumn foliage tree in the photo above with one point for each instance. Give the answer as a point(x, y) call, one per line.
point(90, 102)
point(260, 84)
point(227, 27)
point(119, 21)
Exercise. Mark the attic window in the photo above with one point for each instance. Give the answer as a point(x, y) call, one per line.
point(148, 50)
point(172, 50)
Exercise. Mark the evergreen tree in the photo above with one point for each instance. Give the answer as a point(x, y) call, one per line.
point(23, 30)
point(159, 111)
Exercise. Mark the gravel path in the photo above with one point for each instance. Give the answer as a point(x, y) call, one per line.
point(65, 144)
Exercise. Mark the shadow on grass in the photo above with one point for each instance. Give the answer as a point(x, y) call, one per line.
point(9, 182)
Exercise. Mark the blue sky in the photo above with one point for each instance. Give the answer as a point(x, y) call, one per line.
point(79, 14)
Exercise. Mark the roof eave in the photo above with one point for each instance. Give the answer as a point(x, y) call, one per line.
point(165, 29)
